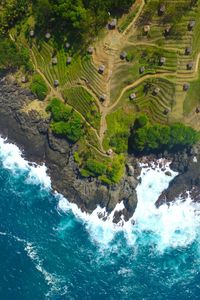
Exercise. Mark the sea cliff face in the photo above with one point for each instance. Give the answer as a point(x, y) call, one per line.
point(31, 133)
point(187, 183)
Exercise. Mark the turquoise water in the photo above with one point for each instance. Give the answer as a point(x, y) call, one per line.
point(49, 250)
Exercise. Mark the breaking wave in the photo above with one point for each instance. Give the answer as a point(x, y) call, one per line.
point(174, 225)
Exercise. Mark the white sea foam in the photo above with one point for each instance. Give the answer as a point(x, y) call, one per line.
point(176, 225)
point(12, 159)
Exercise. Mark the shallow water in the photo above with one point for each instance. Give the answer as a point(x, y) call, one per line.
point(50, 250)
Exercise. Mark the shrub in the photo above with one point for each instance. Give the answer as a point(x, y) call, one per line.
point(66, 122)
point(158, 137)
point(59, 111)
point(39, 87)
point(71, 130)
point(12, 56)
point(95, 167)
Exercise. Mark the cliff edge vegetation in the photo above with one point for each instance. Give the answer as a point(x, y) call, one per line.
point(98, 66)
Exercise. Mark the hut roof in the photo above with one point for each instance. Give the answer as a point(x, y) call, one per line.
point(102, 69)
point(102, 97)
point(90, 49)
point(156, 90)
point(147, 28)
point(188, 50)
point(186, 86)
point(166, 111)
point(167, 29)
point(54, 60)
point(69, 60)
point(162, 60)
point(67, 45)
point(198, 110)
point(190, 65)
point(162, 8)
point(112, 24)
point(191, 24)
point(110, 152)
point(31, 33)
point(56, 82)
point(132, 96)
point(47, 35)
point(24, 79)
point(142, 69)
point(123, 55)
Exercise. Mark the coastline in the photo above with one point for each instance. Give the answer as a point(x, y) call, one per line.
point(30, 133)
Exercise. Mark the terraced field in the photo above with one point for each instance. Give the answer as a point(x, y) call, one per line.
point(103, 100)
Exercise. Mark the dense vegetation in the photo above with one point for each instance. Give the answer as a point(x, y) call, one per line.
point(83, 17)
point(12, 56)
point(108, 172)
point(149, 138)
point(65, 121)
point(39, 87)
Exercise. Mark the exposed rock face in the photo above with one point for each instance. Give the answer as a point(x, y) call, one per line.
point(31, 133)
point(188, 180)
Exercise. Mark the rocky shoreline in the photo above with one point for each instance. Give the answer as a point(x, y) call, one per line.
point(30, 132)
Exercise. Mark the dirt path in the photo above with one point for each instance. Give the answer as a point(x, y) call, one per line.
point(56, 93)
point(107, 53)
point(141, 3)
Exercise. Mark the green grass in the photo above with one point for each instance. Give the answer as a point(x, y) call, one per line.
point(128, 72)
point(192, 99)
point(84, 102)
point(119, 123)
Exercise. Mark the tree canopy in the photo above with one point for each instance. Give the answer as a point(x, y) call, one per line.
point(150, 138)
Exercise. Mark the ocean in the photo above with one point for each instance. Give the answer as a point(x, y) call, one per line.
point(51, 250)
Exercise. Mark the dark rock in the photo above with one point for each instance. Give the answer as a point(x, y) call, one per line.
point(168, 173)
point(31, 133)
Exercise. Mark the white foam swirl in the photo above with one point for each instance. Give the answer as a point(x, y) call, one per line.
point(12, 159)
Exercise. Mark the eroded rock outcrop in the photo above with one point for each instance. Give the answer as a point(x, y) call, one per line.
point(31, 133)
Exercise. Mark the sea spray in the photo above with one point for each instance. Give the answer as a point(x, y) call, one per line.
point(174, 225)
point(12, 159)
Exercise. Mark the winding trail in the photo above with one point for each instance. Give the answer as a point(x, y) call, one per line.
point(109, 49)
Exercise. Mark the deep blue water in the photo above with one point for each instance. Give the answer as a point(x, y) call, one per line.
point(49, 254)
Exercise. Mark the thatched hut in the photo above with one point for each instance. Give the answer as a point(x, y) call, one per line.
point(190, 66)
point(188, 50)
point(109, 152)
point(156, 91)
point(162, 60)
point(54, 60)
point(191, 25)
point(56, 82)
point(141, 70)
point(112, 24)
point(167, 30)
point(166, 111)
point(198, 110)
point(101, 69)
point(146, 28)
point(47, 36)
point(90, 50)
point(24, 79)
point(123, 55)
point(161, 9)
point(186, 87)
point(67, 45)
point(32, 33)
point(69, 60)
point(132, 96)
point(102, 98)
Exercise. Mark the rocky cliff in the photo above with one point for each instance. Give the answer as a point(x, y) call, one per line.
point(31, 133)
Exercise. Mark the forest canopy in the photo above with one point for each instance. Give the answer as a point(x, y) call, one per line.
point(85, 17)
